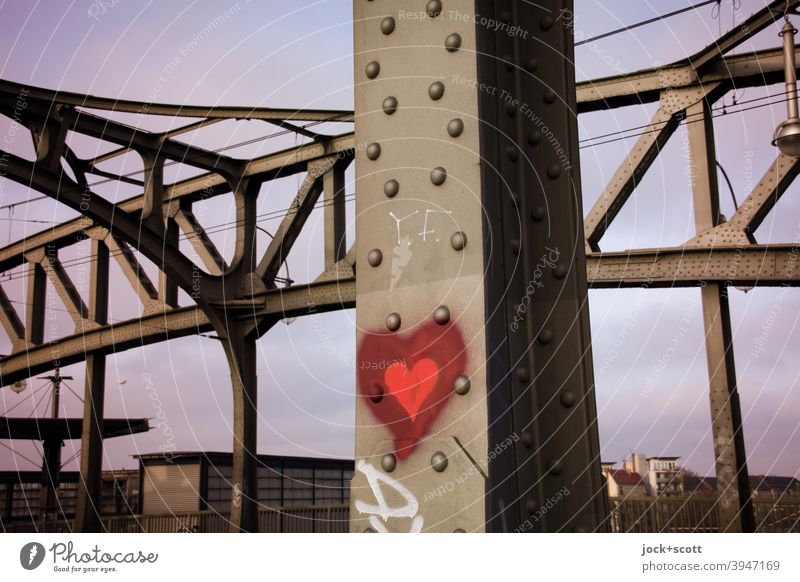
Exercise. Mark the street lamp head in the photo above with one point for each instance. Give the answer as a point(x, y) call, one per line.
point(787, 137)
point(787, 134)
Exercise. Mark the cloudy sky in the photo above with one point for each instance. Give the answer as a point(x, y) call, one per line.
point(299, 54)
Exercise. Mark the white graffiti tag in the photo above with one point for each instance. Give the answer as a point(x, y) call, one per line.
point(383, 509)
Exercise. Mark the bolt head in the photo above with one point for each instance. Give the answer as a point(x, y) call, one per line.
point(441, 315)
point(390, 105)
point(453, 42)
point(462, 385)
point(374, 257)
point(434, 8)
point(455, 127)
point(387, 25)
point(458, 241)
point(374, 151)
point(388, 462)
point(372, 69)
point(376, 393)
point(567, 399)
point(436, 90)
point(553, 171)
point(545, 336)
point(391, 188)
point(438, 176)
point(393, 321)
point(439, 462)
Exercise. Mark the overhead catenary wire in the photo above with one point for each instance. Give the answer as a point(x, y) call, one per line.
point(645, 22)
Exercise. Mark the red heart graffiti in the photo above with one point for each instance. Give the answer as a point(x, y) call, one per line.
point(412, 387)
point(407, 378)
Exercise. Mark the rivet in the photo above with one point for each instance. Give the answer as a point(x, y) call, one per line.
point(547, 21)
point(436, 90)
point(372, 69)
point(512, 153)
point(567, 399)
point(458, 241)
point(510, 109)
point(376, 393)
point(555, 467)
point(581, 529)
point(549, 96)
point(523, 374)
point(515, 246)
point(538, 213)
point(374, 151)
point(531, 65)
point(393, 321)
point(462, 385)
point(560, 272)
point(459, 530)
point(369, 530)
point(455, 127)
point(391, 188)
point(527, 439)
point(439, 462)
point(553, 171)
point(434, 8)
point(453, 42)
point(438, 176)
point(532, 506)
point(387, 25)
point(388, 462)
point(534, 136)
point(390, 105)
point(441, 315)
point(374, 257)
point(545, 336)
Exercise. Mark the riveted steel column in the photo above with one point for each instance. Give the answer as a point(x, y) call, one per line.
point(89, 501)
point(421, 437)
point(540, 369)
point(733, 483)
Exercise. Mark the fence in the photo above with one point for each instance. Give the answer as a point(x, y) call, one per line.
point(695, 514)
point(627, 514)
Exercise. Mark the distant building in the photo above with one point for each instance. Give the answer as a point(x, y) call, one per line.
point(196, 481)
point(622, 483)
point(662, 475)
point(19, 494)
point(774, 487)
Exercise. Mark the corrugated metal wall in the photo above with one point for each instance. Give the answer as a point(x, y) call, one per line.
point(171, 488)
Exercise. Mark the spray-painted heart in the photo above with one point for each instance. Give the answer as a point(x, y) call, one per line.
point(407, 379)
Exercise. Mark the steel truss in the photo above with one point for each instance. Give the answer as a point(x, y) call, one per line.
point(241, 300)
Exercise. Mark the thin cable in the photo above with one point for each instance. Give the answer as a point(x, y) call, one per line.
point(21, 402)
point(20, 203)
point(657, 129)
point(649, 21)
point(71, 390)
point(621, 131)
point(730, 186)
point(18, 454)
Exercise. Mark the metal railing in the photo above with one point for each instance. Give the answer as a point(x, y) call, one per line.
point(300, 519)
point(626, 514)
point(696, 514)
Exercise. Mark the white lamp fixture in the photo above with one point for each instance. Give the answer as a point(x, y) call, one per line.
point(787, 134)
